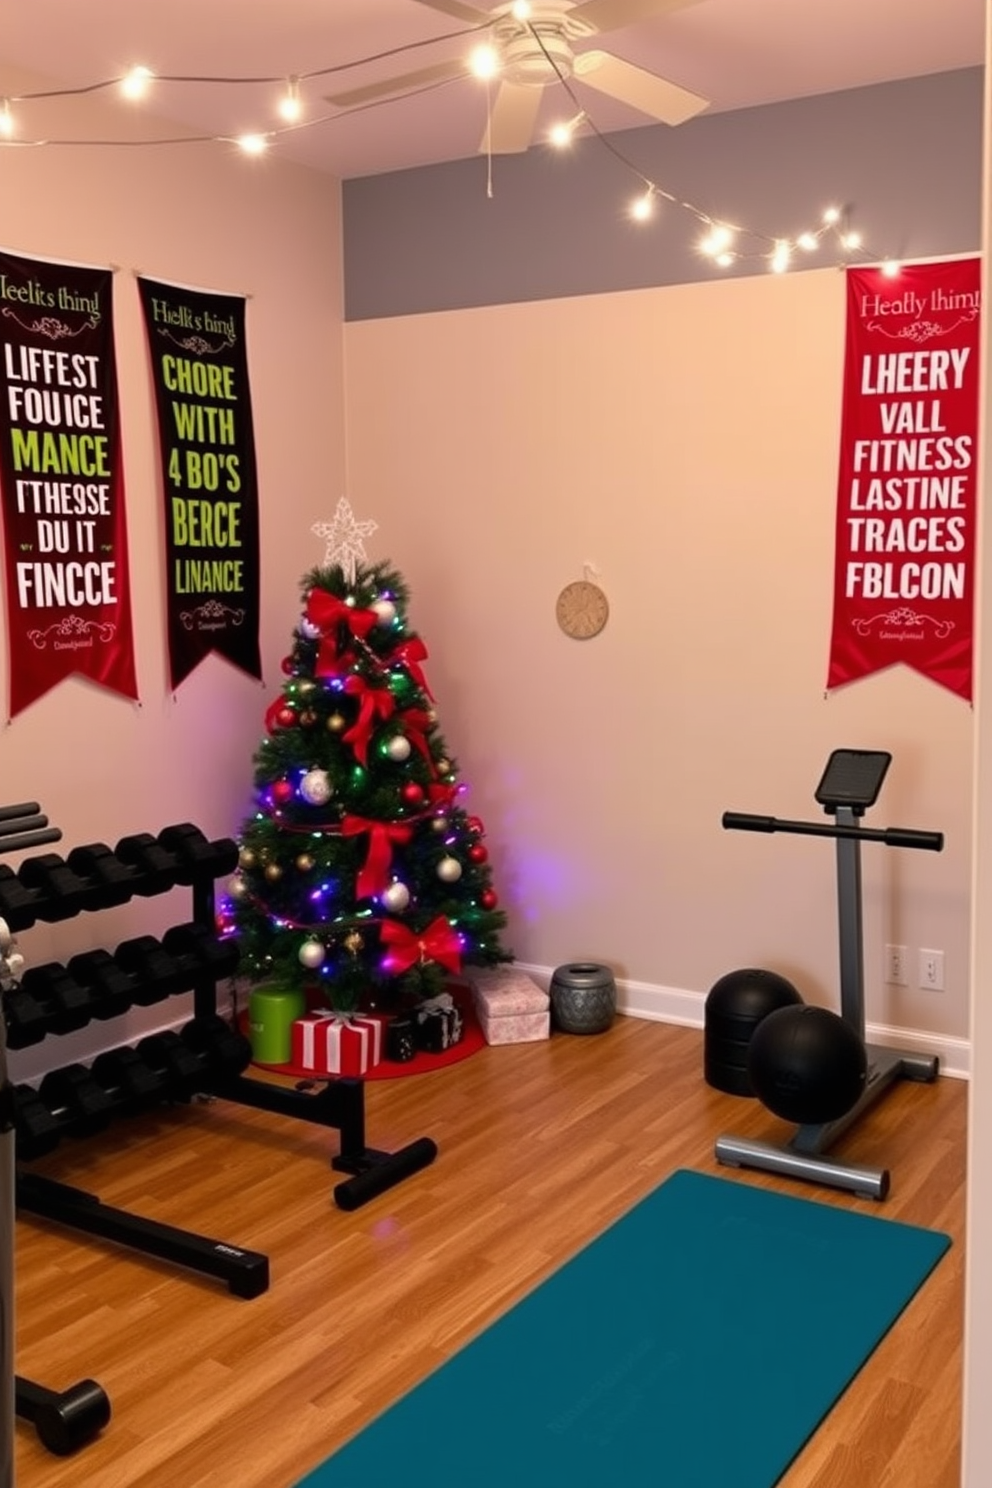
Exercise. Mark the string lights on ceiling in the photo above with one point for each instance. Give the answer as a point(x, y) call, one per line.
point(721, 243)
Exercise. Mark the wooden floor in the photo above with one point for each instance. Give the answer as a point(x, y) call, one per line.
point(541, 1145)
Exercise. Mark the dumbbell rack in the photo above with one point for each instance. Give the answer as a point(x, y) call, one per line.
point(65, 1420)
point(207, 1057)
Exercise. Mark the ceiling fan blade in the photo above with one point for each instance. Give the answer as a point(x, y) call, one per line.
point(510, 129)
point(642, 90)
point(613, 15)
point(459, 11)
point(407, 82)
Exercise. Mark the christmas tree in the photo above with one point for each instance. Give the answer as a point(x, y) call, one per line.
point(360, 872)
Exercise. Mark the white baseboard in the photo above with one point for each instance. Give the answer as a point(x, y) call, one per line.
point(634, 1000)
point(687, 1010)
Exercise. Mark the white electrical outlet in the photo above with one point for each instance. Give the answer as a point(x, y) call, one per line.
point(895, 966)
point(931, 970)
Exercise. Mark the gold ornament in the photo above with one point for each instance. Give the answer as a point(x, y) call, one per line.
point(273, 872)
point(306, 687)
point(443, 766)
point(304, 862)
point(353, 942)
point(246, 858)
point(308, 718)
point(336, 723)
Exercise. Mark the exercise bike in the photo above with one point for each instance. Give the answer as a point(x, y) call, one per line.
point(849, 786)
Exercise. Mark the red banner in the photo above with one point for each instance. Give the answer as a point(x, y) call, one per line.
point(61, 483)
point(905, 547)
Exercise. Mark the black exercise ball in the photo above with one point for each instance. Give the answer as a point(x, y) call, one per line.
point(807, 1065)
point(736, 1004)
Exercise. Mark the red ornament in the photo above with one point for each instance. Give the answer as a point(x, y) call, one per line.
point(285, 718)
point(412, 793)
point(282, 792)
point(478, 853)
point(475, 824)
point(489, 898)
point(287, 665)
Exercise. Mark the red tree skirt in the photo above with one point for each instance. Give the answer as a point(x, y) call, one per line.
point(471, 1041)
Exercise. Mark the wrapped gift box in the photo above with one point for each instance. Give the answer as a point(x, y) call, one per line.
point(438, 1024)
point(511, 1007)
point(332, 1045)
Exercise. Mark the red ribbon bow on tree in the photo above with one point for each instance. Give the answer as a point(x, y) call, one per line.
point(374, 875)
point(374, 702)
point(415, 724)
point(328, 612)
point(439, 942)
point(410, 654)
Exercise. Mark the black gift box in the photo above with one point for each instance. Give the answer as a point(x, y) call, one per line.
point(438, 1024)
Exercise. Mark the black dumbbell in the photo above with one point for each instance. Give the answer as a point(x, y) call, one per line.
point(156, 974)
point(113, 879)
point(68, 1006)
point(36, 1130)
point(111, 988)
point(198, 859)
point(77, 1100)
point(25, 1018)
point(181, 1069)
point(155, 868)
point(225, 1052)
point(204, 951)
point(18, 905)
point(65, 1420)
point(137, 1085)
point(63, 892)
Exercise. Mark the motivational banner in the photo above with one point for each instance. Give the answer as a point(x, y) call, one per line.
point(905, 548)
point(200, 372)
point(61, 481)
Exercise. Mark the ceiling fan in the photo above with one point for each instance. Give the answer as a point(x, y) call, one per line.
point(536, 47)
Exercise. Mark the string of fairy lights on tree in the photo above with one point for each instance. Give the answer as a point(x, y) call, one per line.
point(722, 243)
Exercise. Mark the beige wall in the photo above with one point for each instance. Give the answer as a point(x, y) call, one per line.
point(203, 216)
point(684, 442)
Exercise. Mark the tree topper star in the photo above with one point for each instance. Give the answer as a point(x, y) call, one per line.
point(344, 539)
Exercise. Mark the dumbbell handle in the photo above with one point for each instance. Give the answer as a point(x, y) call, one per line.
point(65, 1420)
point(743, 821)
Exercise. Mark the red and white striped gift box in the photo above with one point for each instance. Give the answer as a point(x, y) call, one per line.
point(330, 1044)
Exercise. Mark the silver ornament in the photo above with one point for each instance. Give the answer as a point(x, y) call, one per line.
point(316, 787)
point(385, 610)
point(311, 954)
point(449, 870)
point(398, 747)
point(396, 897)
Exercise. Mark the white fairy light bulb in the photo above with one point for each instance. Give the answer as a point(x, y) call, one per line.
point(807, 241)
point(484, 61)
point(831, 216)
point(716, 241)
point(290, 105)
point(6, 120)
point(520, 10)
point(724, 260)
point(643, 207)
point(137, 82)
point(851, 240)
point(781, 256)
point(253, 144)
point(890, 268)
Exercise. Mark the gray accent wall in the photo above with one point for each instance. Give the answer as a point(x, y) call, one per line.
point(903, 159)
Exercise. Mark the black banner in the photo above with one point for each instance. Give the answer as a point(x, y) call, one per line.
point(61, 480)
point(210, 491)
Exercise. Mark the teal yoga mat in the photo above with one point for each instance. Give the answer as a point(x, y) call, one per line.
point(697, 1343)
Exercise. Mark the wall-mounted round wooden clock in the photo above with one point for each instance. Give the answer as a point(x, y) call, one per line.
point(582, 610)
